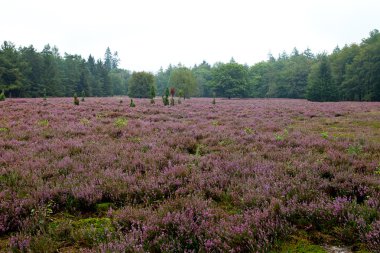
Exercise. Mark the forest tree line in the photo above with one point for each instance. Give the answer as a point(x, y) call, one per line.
point(348, 73)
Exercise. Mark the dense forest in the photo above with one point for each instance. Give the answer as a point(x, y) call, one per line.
point(348, 73)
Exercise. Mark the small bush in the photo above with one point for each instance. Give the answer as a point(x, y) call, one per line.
point(83, 95)
point(132, 104)
point(76, 100)
point(2, 96)
point(121, 122)
point(354, 149)
point(324, 135)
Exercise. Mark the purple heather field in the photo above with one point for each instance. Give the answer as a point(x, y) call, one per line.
point(237, 176)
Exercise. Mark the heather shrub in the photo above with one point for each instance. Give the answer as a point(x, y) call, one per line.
point(20, 243)
point(253, 231)
point(372, 237)
point(220, 183)
point(377, 170)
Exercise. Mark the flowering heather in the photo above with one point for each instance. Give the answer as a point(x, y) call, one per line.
point(238, 176)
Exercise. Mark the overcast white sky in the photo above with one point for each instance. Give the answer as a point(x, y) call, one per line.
point(151, 33)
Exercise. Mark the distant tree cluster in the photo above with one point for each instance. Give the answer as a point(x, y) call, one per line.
point(350, 73)
point(25, 72)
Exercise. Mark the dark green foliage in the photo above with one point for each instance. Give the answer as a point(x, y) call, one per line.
point(362, 77)
point(183, 79)
point(2, 96)
point(181, 93)
point(320, 85)
point(76, 100)
point(132, 104)
point(203, 76)
point(353, 73)
point(165, 98)
point(152, 94)
point(45, 97)
point(25, 72)
point(231, 80)
point(140, 84)
point(162, 79)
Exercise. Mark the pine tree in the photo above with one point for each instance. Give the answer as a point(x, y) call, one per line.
point(320, 83)
point(165, 99)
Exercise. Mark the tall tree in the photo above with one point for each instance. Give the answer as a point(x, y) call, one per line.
point(162, 79)
point(51, 75)
point(320, 83)
point(108, 60)
point(183, 79)
point(203, 76)
point(12, 81)
point(362, 79)
point(140, 84)
point(231, 80)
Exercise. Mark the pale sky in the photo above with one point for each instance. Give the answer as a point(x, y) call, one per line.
point(151, 33)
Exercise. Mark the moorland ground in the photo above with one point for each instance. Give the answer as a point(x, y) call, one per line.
point(248, 175)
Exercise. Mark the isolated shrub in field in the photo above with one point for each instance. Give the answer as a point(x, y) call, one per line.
point(132, 104)
point(76, 100)
point(83, 95)
point(2, 96)
point(165, 98)
point(172, 93)
point(45, 97)
point(152, 94)
point(121, 122)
